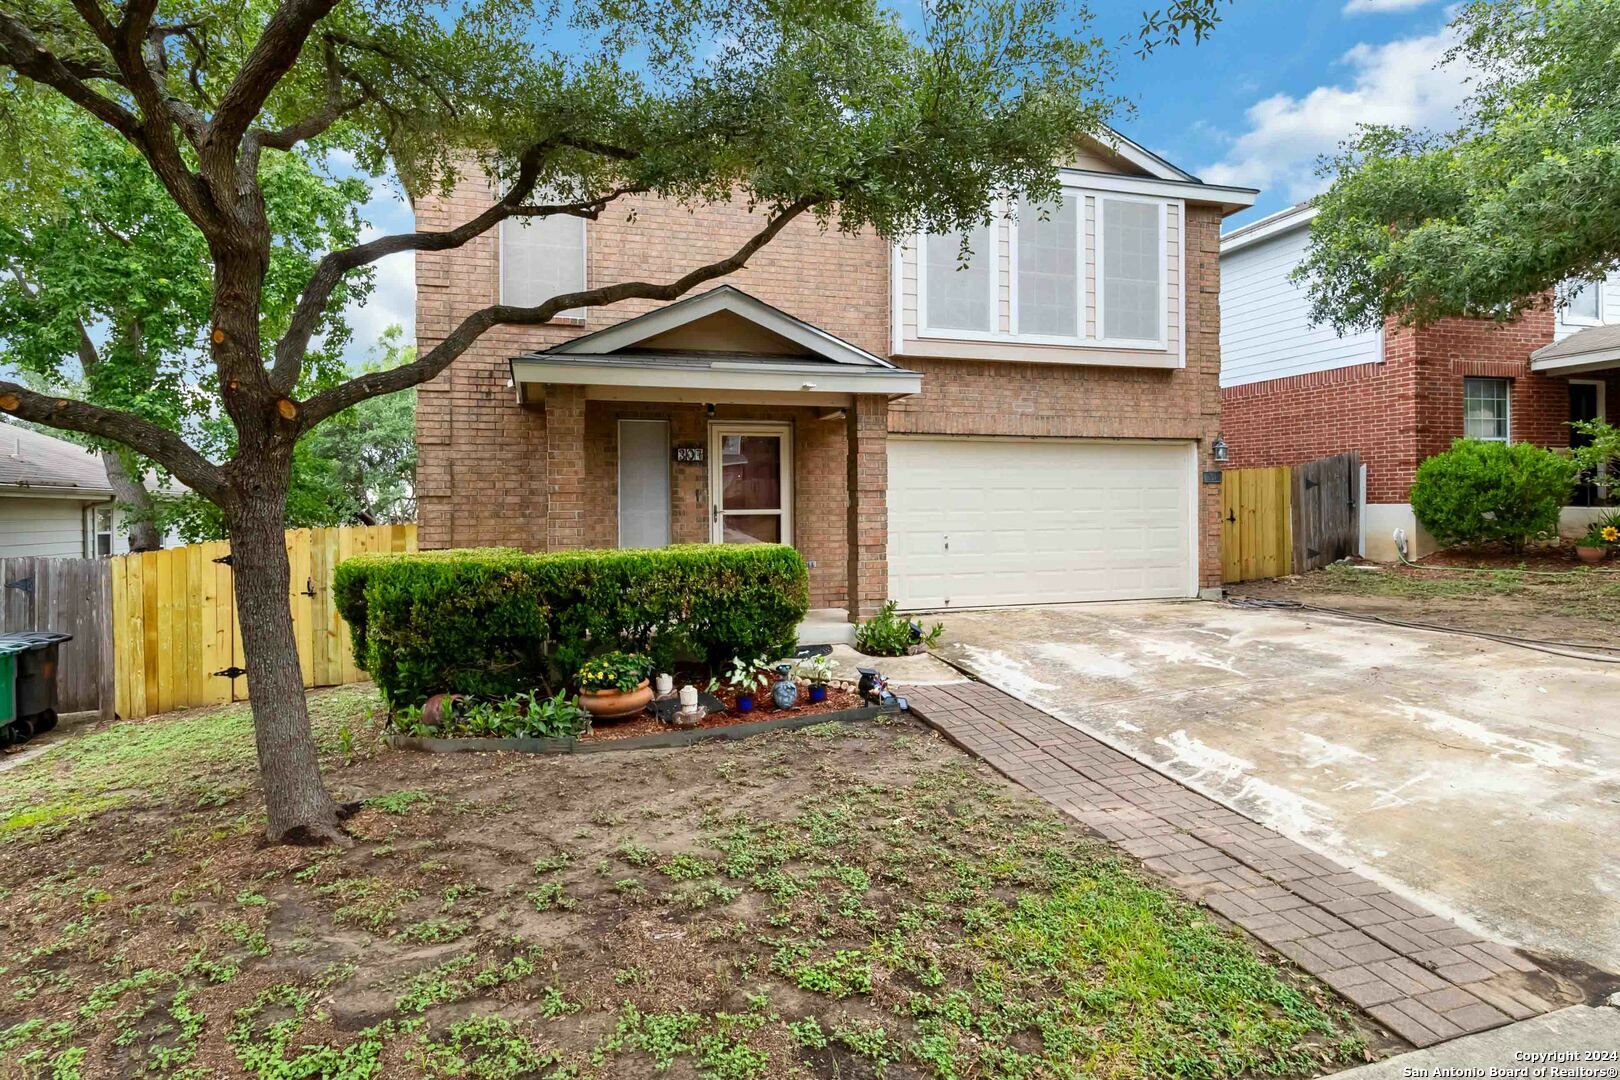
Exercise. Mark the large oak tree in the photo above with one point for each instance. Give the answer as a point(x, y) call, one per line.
point(829, 109)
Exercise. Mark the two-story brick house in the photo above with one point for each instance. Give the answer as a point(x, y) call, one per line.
point(1028, 425)
point(1292, 391)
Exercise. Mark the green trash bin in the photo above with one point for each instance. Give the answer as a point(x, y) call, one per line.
point(10, 730)
point(33, 696)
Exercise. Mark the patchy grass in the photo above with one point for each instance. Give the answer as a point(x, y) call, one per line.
point(853, 902)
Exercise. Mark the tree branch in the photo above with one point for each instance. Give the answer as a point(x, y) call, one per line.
point(272, 57)
point(334, 109)
point(22, 52)
point(331, 270)
point(430, 364)
point(160, 444)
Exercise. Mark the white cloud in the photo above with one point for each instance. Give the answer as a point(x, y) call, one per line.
point(393, 300)
point(1397, 83)
point(1364, 7)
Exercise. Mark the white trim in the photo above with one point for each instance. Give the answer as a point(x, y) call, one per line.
point(897, 297)
point(1283, 221)
point(1195, 538)
point(1565, 318)
point(727, 298)
point(669, 524)
point(1602, 394)
point(1138, 155)
point(717, 516)
point(573, 316)
point(1238, 198)
point(1078, 200)
point(1181, 288)
point(1596, 360)
point(993, 332)
point(824, 378)
point(1161, 343)
point(1507, 400)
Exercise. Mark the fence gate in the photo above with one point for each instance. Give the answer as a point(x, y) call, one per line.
point(1327, 514)
point(70, 596)
point(1255, 524)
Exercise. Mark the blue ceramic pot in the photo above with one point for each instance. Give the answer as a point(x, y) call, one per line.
point(818, 693)
point(745, 703)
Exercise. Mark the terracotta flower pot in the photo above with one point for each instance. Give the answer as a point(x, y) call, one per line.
point(1591, 556)
point(615, 704)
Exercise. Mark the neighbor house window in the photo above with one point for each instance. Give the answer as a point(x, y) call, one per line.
point(1132, 269)
point(957, 293)
point(1586, 306)
point(101, 533)
point(540, 258)
point(1486, 409)
point(1048, 256)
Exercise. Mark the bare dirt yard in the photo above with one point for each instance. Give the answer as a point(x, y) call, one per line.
point(842, 901)
point(1544, 594)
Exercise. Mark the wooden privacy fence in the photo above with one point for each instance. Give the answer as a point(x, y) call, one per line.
point(1289, 519)
point(70, 596)
point(176, 643)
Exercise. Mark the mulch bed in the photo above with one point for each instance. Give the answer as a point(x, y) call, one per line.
point(838, 700)
point(1559, 556)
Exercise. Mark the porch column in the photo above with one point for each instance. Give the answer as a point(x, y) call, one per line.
point(565, 467)
point(867, 433)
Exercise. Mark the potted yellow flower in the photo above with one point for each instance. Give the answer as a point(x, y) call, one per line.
point(1600, 539)
point(614, 685)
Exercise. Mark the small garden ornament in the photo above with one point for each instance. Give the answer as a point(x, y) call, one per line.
point(785, 692)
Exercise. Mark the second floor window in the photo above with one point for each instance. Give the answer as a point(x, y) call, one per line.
point(957, 293)
point(541, 258)
point(1487, 409)
point(1048, 275)
point(1586, 306)
point(1132, 270)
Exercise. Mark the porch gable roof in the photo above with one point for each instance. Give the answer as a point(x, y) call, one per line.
point(1592, 349)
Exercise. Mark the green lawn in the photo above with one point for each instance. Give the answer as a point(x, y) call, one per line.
point(841, 901)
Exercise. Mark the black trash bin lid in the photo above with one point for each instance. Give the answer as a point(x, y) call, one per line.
point(37, 639)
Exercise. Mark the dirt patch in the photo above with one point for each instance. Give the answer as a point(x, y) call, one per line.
point(1484, 591)
point(856, 900)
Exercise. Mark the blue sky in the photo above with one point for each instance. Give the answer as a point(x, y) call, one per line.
point(1279, 84)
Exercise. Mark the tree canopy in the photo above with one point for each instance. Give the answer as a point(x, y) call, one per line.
point(1520, 198)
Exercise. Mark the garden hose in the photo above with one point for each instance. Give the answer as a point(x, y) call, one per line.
point(1553, 648)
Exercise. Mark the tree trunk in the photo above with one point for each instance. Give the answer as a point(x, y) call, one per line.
point(299, 807)
point(131, 493)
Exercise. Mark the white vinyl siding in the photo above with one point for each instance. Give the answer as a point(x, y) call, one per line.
point(1266, 331)
point(991, 521)
point(959, 284)
point(1047, 253)
point(1602, 298)
point(542, 258)
point(39, 526)
point(1132, 269)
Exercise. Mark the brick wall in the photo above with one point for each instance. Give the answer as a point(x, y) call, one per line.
point(1403, 410)
point(482, 476)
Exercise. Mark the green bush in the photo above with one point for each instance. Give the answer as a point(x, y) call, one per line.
point(889, 634)
point(496, 622)
point(1478, 492)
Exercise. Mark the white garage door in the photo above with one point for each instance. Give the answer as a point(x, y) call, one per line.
point(986, 522)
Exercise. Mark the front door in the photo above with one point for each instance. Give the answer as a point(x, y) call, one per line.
point(751, 483)
point(643, 483)
point(1585, 403)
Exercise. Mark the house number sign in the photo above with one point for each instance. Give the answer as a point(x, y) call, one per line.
point(689, 454)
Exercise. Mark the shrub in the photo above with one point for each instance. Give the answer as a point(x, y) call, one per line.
point(887, 634)
point(494, 622)
point(1479, 491)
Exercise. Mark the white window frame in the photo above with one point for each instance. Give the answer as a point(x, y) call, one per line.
point(1568, 317)
point(990, 333)
point(1507, 440)
point(718, 429)
point(572, 315)
point(1078, 199)
point(1162, 341)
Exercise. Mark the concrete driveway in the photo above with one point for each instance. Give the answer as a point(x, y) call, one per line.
point(1479, 778)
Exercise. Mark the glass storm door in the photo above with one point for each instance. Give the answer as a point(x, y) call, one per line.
point(643, 483)
point(750, 483)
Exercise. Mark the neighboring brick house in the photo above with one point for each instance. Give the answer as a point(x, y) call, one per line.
point(1028, 427)
point(1292, 391)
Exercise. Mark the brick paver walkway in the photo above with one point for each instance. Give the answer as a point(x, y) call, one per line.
point(1422, 976)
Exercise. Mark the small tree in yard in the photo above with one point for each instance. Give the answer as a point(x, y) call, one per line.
point(823, 108)
point(1478, 492)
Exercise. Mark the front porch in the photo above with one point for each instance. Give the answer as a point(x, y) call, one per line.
point(721, 420)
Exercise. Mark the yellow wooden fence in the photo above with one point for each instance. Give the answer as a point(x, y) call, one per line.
point(1256, 523)
point(174, 618)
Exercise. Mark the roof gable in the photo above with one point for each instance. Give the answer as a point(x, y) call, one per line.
point(722, 320)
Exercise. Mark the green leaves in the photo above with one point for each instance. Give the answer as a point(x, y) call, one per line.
point(1478, 492)
point(1482, 220)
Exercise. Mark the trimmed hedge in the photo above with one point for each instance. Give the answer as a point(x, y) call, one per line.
point(497, 621)
point(1478, 491)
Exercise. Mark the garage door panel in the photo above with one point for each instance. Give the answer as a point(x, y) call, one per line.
point(984, 522)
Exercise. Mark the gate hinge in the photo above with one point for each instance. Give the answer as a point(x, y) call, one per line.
point(232, 672)
point(225, 560)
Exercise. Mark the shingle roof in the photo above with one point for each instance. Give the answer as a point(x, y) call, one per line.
point(1592, 339)
point(31, 460)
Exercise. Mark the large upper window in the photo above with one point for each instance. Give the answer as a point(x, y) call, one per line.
point(1048, 255)
point(1486, 409)
point(1586, 306)
point(1132, 272)
point(541, 258)
point(957, 293)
